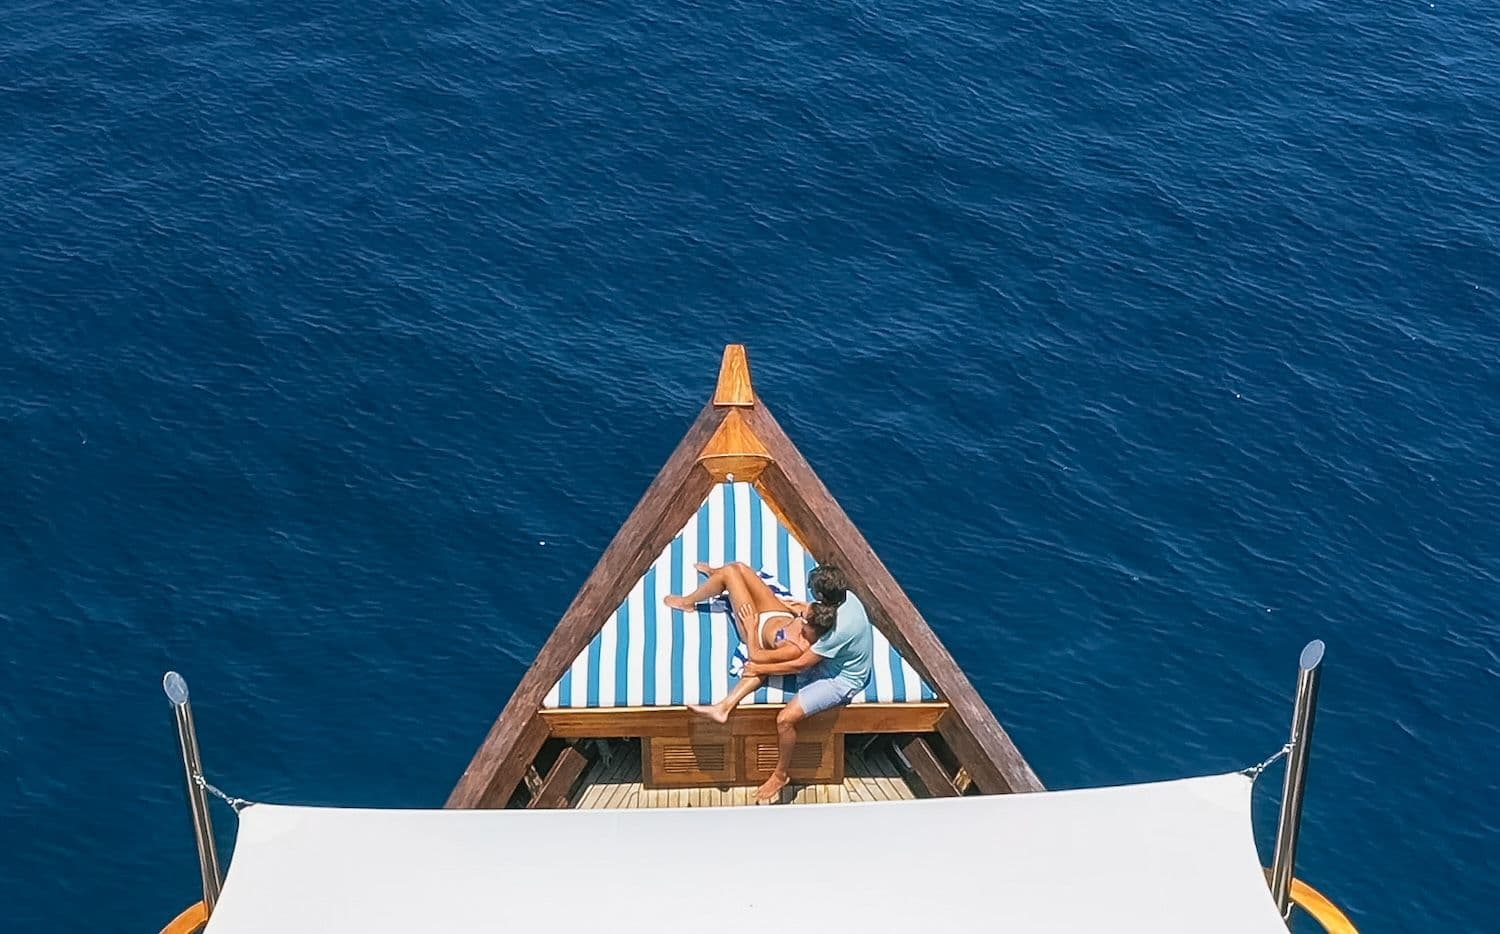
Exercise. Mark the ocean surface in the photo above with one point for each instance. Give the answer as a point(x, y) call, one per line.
point(1145, 341)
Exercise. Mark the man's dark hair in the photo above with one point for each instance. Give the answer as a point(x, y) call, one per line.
point(821, 619)
point(828, 585)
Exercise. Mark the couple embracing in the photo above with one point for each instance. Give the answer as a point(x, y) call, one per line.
point(827, 644)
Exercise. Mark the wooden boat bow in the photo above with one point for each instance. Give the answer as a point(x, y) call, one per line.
point(736, 438)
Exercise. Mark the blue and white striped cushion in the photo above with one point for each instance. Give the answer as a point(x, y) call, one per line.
point(650, 656)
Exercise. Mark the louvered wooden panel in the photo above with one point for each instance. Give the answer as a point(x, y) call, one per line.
point(693, 757)
point(672, 762)
point(815, 759)
point(805, 756)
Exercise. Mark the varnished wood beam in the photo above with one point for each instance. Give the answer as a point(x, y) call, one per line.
point(668, 503)
point(561, 778)
point(734, 387)
point(975, 736)
point(927, 769)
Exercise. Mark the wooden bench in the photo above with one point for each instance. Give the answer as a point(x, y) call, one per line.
point(682, 750)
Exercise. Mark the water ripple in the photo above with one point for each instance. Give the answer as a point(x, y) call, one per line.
point(1174, 325)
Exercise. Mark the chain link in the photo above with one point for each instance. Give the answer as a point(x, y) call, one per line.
point(238, 804)
point(1254, 771)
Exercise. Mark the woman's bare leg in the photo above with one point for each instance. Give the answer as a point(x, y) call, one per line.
point(719, 713)
point(717, 583)
point(749, 597)
point(758, 590)
point(727, 579)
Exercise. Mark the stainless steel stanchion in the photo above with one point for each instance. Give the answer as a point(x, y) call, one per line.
point(192, 767)
point(1309, 673)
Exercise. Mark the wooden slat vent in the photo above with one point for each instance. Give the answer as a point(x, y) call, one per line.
point(805, 756)
point(696, 757)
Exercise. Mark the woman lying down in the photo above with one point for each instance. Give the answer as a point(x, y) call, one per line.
point(773, 630)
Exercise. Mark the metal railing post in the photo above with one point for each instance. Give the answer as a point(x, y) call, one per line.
point(192, 767)
point(1309, 673)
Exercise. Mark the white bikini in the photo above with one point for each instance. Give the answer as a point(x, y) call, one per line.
point(760, 628)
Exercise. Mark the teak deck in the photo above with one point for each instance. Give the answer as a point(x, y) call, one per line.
point(870, 776)
point(959, 745)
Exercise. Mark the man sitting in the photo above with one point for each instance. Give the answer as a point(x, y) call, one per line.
point(831, 672)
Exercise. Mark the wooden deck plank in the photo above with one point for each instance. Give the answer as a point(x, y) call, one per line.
point(853, 789)
point(616, 783)
point(628, 780)
point(589, 794)
point(853, 775)
point(602, 789)
point(875, 780)
point(619, 781)
point(890, 779)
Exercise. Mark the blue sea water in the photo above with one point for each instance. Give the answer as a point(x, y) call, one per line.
point(1145, 341)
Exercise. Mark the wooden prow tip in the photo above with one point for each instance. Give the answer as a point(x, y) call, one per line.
point(734, 379)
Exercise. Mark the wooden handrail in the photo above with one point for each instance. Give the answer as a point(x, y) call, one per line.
point(1316, 904)
point(189, 922)
point(1322, 910)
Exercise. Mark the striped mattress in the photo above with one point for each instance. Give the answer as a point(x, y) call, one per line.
point(648, 655)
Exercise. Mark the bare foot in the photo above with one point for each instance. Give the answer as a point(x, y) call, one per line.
point(704, 568)
point(710, 711)
point(771, 790)
point(677, 603)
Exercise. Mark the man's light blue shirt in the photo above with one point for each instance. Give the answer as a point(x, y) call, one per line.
point(849, 646)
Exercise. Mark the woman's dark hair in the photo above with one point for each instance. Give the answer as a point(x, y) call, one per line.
point(828, 585)
point(820, 618)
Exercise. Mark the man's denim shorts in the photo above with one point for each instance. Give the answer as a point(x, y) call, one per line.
point(823, 693)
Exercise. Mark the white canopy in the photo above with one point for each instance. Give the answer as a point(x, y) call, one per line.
point(1168, 857)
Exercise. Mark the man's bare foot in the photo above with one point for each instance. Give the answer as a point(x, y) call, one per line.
point(771, 790)
point(677, 603)
point(710, 711)
point(704, 568)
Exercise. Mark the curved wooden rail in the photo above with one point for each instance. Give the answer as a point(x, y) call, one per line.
point(189, 922)
point(1322, 910)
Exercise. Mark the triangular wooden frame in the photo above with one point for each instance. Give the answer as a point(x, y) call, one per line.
point(735, 435)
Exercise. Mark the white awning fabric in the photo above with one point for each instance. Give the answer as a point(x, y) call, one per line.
point(1166, 857)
